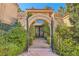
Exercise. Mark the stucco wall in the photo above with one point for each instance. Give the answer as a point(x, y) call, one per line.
point(67, 21)
point(8, 12)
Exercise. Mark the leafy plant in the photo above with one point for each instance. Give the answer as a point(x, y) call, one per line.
point(64, 43)
point(13, 41)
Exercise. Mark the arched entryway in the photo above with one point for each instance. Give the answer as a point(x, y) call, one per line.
point(41, 31)
point(40, 16)
point(39, 27)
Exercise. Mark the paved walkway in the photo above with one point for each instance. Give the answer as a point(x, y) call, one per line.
point(39, 48)
point(39, 43)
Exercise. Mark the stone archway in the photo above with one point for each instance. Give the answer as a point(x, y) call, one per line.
point(44, 14)
point(36, 17)
point(44, 17)
point(39, 16)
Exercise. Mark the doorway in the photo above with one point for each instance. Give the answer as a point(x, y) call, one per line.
point(39, 31)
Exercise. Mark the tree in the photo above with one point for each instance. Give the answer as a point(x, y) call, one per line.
point(19, 10)
point(61, 11)
point(74, 18)
point(47, 7)
point(32, 8)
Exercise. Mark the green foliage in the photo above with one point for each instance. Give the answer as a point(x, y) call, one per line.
point(64, 43)
point(4, 27)
point(29, 14)
point(69, 48)
point(74, 18)
point(47, 32)
point(48, 39)
point(47, 7)
point(13, 41)
point(64, 31)
point(19, 10)
point(66, 40)
point(61, 11)
point(32, 7)
point(31, 34)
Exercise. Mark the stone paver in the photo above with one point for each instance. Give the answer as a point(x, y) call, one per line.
point(39, 52)
point(39, 48)
point(39, 43)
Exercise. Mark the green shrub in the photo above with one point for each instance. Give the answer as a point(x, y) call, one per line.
point(12, 50)
point(13, 42)
point(47, 32)
point(31, 40)
point(31, 34)
point(2, 50)
point(64, 43)
point(68, 46)
point(48, 40)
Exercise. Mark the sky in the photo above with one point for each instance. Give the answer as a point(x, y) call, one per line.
point(55, 6)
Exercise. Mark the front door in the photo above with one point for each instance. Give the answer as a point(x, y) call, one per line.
point(39, 31)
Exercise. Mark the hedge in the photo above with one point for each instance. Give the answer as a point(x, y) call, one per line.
point(13, 42)
point(64, 43)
